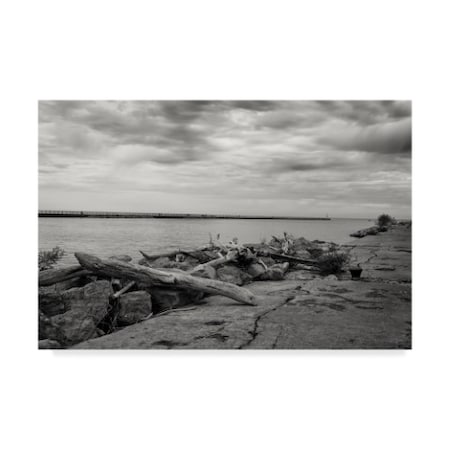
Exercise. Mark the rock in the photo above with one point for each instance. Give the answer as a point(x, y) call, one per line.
point(365, 232)
point(202, 256)
point(256, 270)
point(305, 254)
point(51, 302)
point(205, 272)
point(210, 254)
point(232, 274)
point(134, 307)
point(47, 330)
point(167, 298)
point(268, 261)
point(301, 244)
point(47, 344)
point(87, 306)
point(276, 272)
point(124, 258)
point(166, 263)
point(188, 263)
point(74, 282)
point(331, 278)
point(162, 262)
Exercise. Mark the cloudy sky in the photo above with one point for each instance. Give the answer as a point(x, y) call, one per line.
point(300, 158)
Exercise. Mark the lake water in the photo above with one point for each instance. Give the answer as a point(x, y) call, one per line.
point(106, 237)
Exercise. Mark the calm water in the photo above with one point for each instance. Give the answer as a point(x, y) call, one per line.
point(106, 237)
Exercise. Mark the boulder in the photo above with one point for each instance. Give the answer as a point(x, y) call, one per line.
point(232, 274)
point(305, 254)
point(202, 256)
point(47, 344)
point(331, 278)
point(365, 232)
point(275, 272)
point(268, 261)
point(124, 258)
point(161, 262)
point(74, 282)
point(188, 263)
point(166, 263)
point(167, 298)
point(301, 244)
point(87, 306)
point(134, 307)
point(51, 302)
point(256, 269)
point(47, 330)
point(205, 272)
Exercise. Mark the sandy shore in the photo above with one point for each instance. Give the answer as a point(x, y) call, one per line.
point(304, 311)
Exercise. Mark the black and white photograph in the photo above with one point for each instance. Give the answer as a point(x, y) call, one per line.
point(225, 224)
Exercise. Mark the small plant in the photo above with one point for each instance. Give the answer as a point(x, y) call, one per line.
point(332, 262)
point(47, 259)
point(385, 220)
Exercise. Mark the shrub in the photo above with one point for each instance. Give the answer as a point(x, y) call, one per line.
point(385, 220)
point(47, 259)
point(332, 262)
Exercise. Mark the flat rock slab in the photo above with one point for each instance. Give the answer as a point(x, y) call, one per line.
point(217, 323)
point(302, 312)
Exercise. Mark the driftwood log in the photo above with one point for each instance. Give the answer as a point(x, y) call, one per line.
point(52, 276)
point(172, 253)
point(116, 295)
point(156, 277)
point(291, 258)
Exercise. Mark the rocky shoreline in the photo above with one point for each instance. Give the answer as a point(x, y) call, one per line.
point(296, 303)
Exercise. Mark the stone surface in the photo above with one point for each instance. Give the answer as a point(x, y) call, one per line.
point(306, 312)
point(51, 302)
point(86, 307)
point(365, 232)
point(256, 270)
point(232, 274)
point(205, 272)
point(275, 272)
point(134, 307)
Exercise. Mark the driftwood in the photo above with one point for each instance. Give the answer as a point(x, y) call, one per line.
point(117, 294)
point(291, 258)
point(231, 256)
point(52, 276)
point(172, 253)
point(155, 277)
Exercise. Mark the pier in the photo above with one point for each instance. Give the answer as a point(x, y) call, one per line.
point(140, 215)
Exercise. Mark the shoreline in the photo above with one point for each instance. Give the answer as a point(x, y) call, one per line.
point(303, 311)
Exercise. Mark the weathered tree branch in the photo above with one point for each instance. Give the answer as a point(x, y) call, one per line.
point(117, 294)
point(171, 254)
point(291, 258)
point(52, 276)
point(156, 277)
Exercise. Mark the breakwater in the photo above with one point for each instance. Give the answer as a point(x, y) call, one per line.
point(140, 215)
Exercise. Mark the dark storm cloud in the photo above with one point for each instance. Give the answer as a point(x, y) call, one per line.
point(390, 138)
point(312, 152)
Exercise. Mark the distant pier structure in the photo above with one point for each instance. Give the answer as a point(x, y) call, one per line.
point(139, 215)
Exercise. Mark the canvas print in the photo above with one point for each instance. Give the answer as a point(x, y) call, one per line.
point(224, 224)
